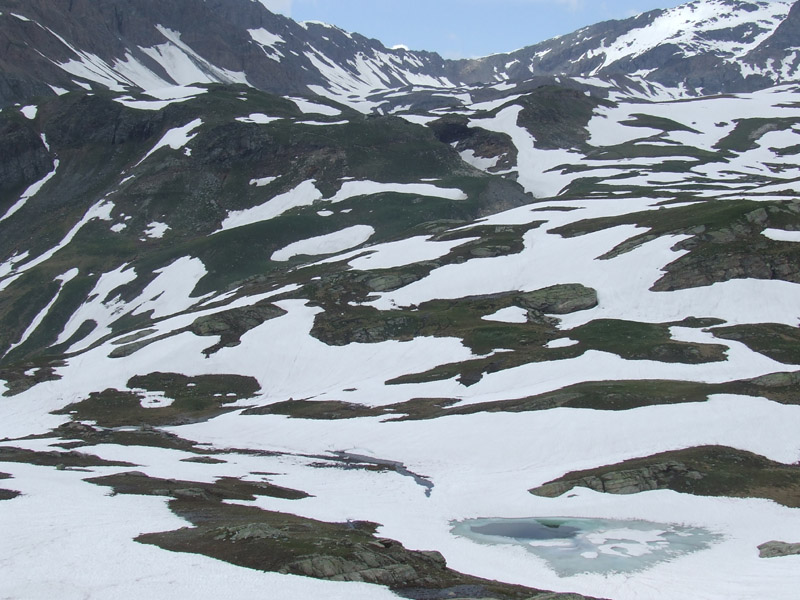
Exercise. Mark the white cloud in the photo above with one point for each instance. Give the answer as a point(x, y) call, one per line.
point(283, 7)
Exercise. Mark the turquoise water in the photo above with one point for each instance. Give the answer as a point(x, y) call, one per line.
point(573, 545)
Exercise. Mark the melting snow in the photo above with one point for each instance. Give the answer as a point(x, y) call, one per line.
point(309, 107)
point(326, 244)
point(175, 138)
point(304, 194)
point(512, 314)
point(156, 230)
point(782, 235)
point(258, 119)
point(63, 279)
point(29, 193)
point(262, 181)
point(352, 189)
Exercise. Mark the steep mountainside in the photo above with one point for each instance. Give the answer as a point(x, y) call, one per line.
point(704, 47)
point(283, 311)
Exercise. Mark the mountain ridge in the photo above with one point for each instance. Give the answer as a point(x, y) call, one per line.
point(247, 43)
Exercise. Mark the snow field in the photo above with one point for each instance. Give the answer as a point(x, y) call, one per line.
point(480, 465)
point(623, 283)
point(476, 474)
point(84, 548)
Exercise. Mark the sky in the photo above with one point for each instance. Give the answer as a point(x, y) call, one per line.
point(463, 28)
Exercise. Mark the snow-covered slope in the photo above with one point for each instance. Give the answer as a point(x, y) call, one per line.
point(705, 46)
point(256, 343)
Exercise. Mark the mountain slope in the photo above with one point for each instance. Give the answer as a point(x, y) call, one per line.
point(706, 46)
point(150, 45)
point(479, 342)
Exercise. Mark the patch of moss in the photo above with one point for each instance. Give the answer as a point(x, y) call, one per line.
point(643, 341)
point(194, 399)
point(610, 395)
point(329, 410)
point(557, 116)
point(224, 488)
point(56, 459)
point(777, 341)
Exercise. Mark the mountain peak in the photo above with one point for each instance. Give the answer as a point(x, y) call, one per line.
point(730, 44)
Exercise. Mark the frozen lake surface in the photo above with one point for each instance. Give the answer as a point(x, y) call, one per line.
point(571, 545)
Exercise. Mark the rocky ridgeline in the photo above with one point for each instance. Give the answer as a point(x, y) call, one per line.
point(47, 43)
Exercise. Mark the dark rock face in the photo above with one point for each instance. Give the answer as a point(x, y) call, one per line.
point(25, 157)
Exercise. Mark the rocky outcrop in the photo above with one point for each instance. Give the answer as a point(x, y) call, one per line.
point(626, 481)
point(230, 325)
point(705, 470)
point(775, 549)
point(457, 131)
point(287, 543)
point(558, 299)
point(366, 564)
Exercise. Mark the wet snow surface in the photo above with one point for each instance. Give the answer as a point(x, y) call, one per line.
point(656, 545)
point(573, 546)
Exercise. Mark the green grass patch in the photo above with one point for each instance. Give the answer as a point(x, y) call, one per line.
point(194, 399)
point(777, 341)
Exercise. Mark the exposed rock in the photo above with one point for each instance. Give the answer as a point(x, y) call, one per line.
point(249, 531)
point(224, 488)
point(230, 325)
point(56, 459)
point(778, 380)
point(776, 549)
point(392, 281)
point(366, 566)
point(631, 481)
point(705, 470)
point(558, 299)
point(8, 494)
point(762, 260)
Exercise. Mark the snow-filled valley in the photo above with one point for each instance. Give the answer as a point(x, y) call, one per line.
point(297, 345)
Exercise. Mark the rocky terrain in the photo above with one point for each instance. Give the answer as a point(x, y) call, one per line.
point(283, 307)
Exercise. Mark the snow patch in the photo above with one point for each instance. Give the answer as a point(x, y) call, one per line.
point(782, 235)
point(156, 230)
point(258, 119)
point(309, 107)
point(304, 194)
point(511, 314)
point(326, 244)
point(175, 138)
